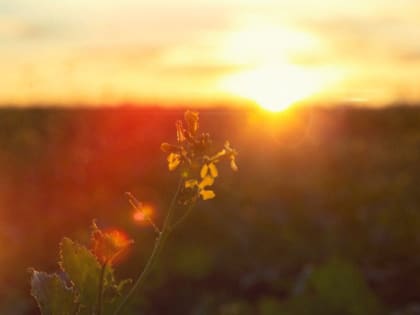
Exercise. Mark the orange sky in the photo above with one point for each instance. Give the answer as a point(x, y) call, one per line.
point(270, 52)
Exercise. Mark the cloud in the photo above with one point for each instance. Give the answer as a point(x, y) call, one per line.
point(14, 28)
point(19, 29)
point(365, 39)
point(197, 70)
point(410, 56)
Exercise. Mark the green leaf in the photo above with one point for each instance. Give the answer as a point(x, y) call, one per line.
point(52, 295)
point(339, 283)
point(113, 295)
point(333, 288)
point(83, 270)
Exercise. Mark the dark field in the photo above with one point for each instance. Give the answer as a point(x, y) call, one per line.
point(323, 217)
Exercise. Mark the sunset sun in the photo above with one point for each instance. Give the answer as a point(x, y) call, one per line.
point(274, 88)
point(267, 71)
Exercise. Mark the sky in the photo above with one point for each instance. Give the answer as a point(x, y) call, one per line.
point(274, 53)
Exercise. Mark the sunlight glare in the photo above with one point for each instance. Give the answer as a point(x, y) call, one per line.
point(140, 215)
point(274, 88)
point(264, 51)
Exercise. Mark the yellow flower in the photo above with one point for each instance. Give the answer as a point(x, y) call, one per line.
point(192, 150)
point(191, 119)
point(209, 169)
point(174, 159)
point(183, 152)
point(204, 193)
point(231, 153)
point(169, 148)
point(180, 132)
point(207, 194)
point(207, 181)
point(191, 183)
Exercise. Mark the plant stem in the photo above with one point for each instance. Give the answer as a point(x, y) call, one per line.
point(101, 288)
point(160, 240)
point(184, 216)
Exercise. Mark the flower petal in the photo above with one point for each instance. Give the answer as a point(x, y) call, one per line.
point(213, 170)
point(191, 183)
point(207, 181)
point(168, 148)
point(218, 155)
point(233, 165)
point(174, 160)
point(191, 118)
point(204, 170)
point(179, 132)
point(207, 194)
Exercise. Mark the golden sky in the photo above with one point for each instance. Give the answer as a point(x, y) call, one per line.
point(209, 51)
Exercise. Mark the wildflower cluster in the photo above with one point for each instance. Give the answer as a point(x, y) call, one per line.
point(85, 284)
point(192, 151)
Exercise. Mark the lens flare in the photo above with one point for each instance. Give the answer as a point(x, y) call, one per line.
point(142, 214)
point(111, 245)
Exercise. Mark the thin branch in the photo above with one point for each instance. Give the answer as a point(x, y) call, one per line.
point(137, 205)
point(184, 216)
point(101, 288)
point(160, 240)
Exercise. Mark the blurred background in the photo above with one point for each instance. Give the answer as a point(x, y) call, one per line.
point(319, 98)
point(324, 211)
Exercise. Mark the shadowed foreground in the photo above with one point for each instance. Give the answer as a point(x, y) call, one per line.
point(324, 211)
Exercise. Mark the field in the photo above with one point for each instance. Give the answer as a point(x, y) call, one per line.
point(323, 216)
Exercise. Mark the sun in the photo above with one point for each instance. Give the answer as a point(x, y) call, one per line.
point(274, 88)
point(267, 70)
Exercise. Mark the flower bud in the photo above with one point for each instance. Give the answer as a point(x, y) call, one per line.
point(191, 119)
